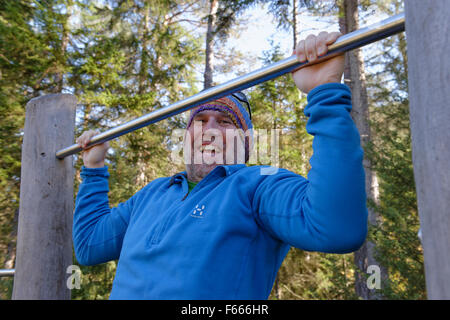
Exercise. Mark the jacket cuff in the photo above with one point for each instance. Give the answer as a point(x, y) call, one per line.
point(94, 172)
point(327, 86)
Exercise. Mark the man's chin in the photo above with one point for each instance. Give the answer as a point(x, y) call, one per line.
point(197, 172)
point(209, 161)
point(205, 167)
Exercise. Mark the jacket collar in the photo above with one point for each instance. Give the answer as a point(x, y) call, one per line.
point(221, 171)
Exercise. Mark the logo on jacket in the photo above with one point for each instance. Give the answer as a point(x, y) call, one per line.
point(198, 211)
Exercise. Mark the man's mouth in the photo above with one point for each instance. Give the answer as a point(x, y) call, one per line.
point(209, 149)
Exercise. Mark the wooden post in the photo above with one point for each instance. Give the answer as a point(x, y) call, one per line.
point(427, 27)
point(44, 240)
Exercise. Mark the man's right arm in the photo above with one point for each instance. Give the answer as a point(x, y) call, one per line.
point(98, 230)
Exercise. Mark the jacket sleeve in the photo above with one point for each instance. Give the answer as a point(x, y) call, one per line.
point(326, 212)
point(98, 230)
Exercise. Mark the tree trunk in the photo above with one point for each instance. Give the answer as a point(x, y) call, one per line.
point(354, 77)
point(143, 69)
point(59, 76)
point(295, 22)
point(209, 51)
point(427, 26)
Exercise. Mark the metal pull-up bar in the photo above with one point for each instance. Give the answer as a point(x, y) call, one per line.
point(356, 39)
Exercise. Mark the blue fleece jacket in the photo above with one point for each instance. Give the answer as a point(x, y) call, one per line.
point(227, 238)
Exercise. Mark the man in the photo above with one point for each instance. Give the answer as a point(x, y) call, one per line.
point(221, 229)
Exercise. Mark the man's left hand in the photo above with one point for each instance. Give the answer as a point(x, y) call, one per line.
point(310, 49)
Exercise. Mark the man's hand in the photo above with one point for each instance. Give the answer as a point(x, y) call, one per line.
point(93, 157)
point(310, 50)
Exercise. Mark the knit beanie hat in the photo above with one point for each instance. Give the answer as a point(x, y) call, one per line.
point(236, 111)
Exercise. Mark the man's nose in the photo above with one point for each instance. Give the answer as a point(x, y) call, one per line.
point(211, 123)
point(211, 131)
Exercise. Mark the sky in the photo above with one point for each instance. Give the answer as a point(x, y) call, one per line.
point(262, 29)
point(259, 33)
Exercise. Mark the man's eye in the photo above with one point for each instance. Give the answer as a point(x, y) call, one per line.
point(227, 122)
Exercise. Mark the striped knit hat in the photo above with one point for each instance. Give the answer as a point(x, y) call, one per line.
point(238, 113)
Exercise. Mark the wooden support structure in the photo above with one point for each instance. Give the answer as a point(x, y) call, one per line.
point(427, 31)
point(44, 241)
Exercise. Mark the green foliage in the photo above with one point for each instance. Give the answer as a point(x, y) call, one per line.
point(141, 62)
point(96, 282)
point(399, 248)
point(317, 276)
point(227, 13)
point(21, 57)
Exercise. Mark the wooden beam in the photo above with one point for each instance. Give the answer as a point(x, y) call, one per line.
point(427, 31)
point(44, 240)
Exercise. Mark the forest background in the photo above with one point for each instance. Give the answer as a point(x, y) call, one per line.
point(125, 58)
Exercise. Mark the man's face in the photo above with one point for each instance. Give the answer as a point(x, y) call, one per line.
point(212, 139)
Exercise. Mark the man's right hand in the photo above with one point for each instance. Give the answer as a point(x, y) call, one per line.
point(94, 156)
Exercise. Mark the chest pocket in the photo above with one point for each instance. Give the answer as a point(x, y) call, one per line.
point(167, 219)
point(155, 237)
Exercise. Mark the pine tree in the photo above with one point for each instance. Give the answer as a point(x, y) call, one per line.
point(33, 37)
point(355, 78)
point(121, 59)
point(400, 249)
point(221, 17)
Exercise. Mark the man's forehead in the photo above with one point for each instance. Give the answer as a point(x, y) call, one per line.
point(212, 111)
